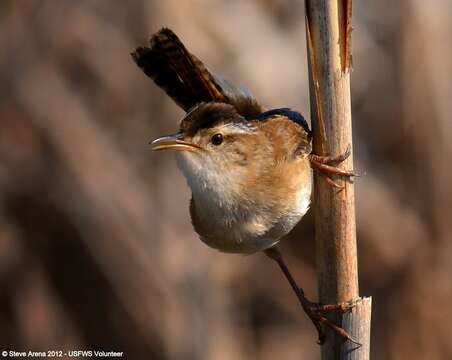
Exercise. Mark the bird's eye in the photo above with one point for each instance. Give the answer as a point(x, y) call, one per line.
point(217, 139)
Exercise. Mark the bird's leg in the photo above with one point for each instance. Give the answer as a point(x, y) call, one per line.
point(315, 311)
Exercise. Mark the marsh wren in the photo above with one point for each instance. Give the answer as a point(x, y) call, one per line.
point(249, 169)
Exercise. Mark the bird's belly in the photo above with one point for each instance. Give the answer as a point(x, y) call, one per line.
point(249, 245)
point(248, 230)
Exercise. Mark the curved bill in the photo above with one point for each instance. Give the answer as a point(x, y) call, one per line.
point(174, 142)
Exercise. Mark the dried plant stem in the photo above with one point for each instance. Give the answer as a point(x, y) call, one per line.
point(329, 38)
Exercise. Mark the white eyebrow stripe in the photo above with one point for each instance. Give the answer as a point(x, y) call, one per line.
point(240, 128)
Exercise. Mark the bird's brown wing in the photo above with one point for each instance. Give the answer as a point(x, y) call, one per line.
point(185, 78)
point(304, 133)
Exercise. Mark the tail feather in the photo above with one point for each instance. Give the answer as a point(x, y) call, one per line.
point(159, 69)
point(180, 74)
point(191, 70)
point(185, 78)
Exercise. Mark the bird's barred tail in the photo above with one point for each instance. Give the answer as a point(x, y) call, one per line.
point(180, 74)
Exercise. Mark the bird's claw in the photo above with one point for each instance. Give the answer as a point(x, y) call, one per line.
point(323, 164)
point(317, 312)
point(328, 159)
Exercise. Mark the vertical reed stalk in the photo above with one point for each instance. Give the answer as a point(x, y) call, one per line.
point(328, 25)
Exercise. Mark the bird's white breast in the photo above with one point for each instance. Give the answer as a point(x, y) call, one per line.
point(234, 224)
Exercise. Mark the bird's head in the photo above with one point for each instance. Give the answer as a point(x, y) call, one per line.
point(216, 146)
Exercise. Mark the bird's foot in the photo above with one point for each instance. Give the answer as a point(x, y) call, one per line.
point(332, 159)
point(317, 313)
point(323, 164)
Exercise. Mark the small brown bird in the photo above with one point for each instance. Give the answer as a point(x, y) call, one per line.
point(249, 169)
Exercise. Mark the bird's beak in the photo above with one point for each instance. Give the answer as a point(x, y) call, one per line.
point(174, 142)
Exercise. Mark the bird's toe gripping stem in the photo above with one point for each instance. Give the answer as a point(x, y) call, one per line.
point(317, 312)
point(323, 164)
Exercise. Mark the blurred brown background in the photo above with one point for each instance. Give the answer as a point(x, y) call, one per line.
point(96, 246)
